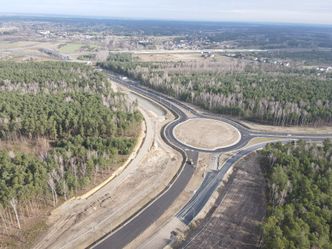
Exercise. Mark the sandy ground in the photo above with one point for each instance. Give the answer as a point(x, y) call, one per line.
point(207, 133)
point(78, 223)
point(235, 223)
point(292, 129)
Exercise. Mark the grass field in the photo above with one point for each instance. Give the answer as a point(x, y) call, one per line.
point(70, 48)
point(74, 47)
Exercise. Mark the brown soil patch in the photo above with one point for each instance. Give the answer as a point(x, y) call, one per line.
point(206, 133)
point(236, 221)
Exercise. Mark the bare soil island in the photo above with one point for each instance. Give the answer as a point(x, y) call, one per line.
point(207, 133)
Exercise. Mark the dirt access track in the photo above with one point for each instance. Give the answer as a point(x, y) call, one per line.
point(79, 222)
point(207, 133)
point(240, 210)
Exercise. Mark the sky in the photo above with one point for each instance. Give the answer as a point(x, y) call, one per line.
point(289, 11)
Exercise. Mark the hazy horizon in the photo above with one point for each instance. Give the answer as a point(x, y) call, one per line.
point(297, 11)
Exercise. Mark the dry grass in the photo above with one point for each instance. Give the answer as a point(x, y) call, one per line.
point(291, 129)
point(29, 50)
point(35, 147)
point(168, 57)
point(177, 57)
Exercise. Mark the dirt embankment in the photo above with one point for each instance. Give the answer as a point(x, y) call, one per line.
point(235, 223)
point(78, 223)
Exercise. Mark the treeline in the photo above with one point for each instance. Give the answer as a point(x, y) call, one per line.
point(51, 77)
point(59, 116)
point(265, 93)
point(310, 58)
point(299, 179)
point(87, 128)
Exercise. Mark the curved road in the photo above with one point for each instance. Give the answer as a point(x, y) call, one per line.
point(142, 220)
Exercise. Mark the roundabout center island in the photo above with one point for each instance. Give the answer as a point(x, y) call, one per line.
point(207, 134)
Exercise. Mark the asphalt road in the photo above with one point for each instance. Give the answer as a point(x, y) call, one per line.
point(145, 218)
point(210, 183)
point(142, 220)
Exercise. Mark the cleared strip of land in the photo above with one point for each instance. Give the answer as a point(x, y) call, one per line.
point(78, 223)
point(236, 221)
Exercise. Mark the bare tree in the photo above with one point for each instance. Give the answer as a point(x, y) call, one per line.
point(52, 186)
point(13, 203)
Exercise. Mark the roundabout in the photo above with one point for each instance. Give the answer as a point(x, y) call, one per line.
point(206, 134)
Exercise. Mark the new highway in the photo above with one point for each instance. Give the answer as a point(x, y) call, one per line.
point(131, 229)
